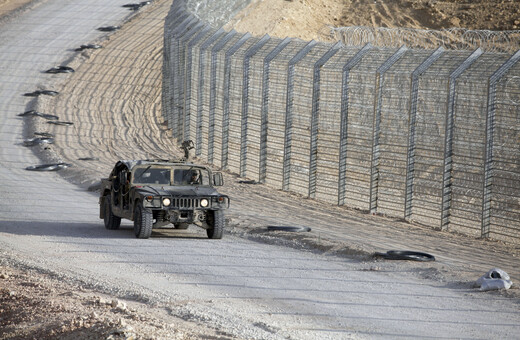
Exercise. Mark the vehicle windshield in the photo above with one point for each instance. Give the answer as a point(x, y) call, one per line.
point(171, 176)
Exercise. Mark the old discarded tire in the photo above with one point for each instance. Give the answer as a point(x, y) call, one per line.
point(406, 255)
point(33, 113)
point(112, 222)
point(44, 134)
point(88, 46)
point(288, 228)
point(108, 28)
point(58, 122)
point(217, 222)
point(248, 182)
point(143, 222)
point(60, 69)
point(38, 140)
point(48, 167)
point(38, 92)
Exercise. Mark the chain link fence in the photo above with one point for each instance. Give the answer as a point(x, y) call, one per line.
point(427, 135)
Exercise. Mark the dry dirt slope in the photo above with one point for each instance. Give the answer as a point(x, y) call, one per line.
point(309, 19)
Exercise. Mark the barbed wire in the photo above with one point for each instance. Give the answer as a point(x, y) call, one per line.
point(451, 38)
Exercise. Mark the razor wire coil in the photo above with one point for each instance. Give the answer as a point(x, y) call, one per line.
point(450, 38)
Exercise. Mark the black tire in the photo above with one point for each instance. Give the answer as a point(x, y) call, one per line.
point(108, 28)
point(112, 222)
point(38, 140)
point(217, 222)
point(48, 92)
point(59, 122)
point(143, 222)
point(406, 255)
point(60, 69)
point(248, 182)
point(48, 167)
point(294, 229)
point(91, 46)
point(44, 134)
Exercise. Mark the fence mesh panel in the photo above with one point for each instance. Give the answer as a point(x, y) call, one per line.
point(428, 135)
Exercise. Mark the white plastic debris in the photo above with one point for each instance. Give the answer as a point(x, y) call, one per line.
point(494, 279)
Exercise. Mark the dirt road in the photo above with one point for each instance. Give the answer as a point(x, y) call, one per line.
point(251, 284)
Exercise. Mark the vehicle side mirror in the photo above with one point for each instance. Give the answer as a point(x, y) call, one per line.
point(218, 180)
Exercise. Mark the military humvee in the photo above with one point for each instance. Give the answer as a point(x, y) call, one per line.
point(163, 194)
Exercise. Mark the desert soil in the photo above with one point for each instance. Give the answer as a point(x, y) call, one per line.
point(311, 19)
point(37, 305)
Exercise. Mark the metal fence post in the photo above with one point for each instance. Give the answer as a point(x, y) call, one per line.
point(181, 65)
point(188, 78)
point(374, 178)
point(184, 71)
point(213, 93)
point(448, 144)
point(313, 157)
point(200, 83)
point(170, 67)
point(289, 113)
point(342, 178)
point(245, 102)
point(410, 162)
point(212, 88)
point(225, 115)
point(265, 102)
point(177, 67)
point(490, 129)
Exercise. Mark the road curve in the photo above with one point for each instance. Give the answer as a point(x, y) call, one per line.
point(248, 289)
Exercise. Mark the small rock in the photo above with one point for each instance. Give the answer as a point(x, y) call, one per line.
point(4, 276)
point(455, 22)
point(121, 306)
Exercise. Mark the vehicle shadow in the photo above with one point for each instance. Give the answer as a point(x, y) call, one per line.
point(90, 230)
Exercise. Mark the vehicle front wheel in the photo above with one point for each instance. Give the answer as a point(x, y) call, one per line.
point(216, 221)
point(112, 221)
point(143, 222)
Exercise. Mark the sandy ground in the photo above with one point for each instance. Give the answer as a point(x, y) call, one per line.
point(9, 6)
point(122, 81)
point(311, 19)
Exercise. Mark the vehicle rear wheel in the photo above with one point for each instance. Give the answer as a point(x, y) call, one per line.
point(143, 222)
point(112, 221)
point(216, 221)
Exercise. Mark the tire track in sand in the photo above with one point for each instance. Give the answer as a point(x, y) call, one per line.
point(114, 101)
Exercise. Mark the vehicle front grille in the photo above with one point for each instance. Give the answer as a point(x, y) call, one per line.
point(186, 203)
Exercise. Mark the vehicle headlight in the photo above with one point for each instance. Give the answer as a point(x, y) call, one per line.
point(204, 203)
point(166, 202)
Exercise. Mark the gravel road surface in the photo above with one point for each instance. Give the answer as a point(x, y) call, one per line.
point(273, 289)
